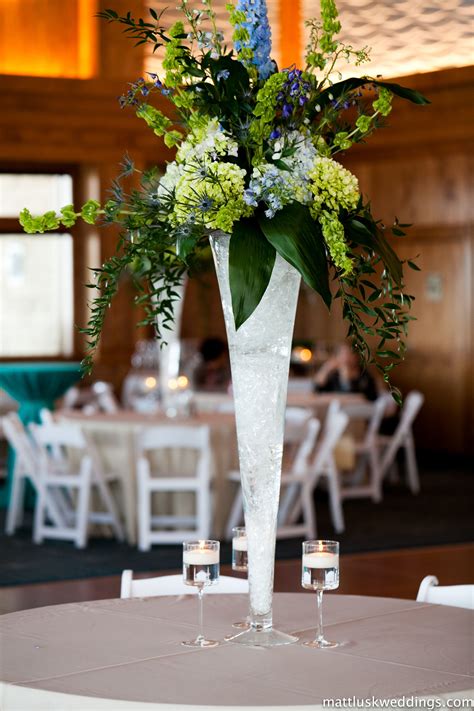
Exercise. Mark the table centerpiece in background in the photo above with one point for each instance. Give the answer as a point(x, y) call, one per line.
point(255, 173)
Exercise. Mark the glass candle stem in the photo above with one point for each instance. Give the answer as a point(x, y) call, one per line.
point(201, 612)
point(319, 626)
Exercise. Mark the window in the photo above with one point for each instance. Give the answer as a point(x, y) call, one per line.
point(36, 271)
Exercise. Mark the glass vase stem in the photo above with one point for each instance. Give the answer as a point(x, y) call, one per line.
point(260, 355)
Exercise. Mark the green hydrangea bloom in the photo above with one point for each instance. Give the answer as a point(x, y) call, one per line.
point(334, 188)
point(215, 199)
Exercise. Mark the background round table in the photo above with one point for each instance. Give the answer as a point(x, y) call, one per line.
point(126, 654)
point(34, 385)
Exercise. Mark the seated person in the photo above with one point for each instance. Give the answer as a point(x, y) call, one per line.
point(213, 372)
point(343, 373)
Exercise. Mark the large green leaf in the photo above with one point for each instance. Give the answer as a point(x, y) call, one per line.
point(251, 260)
point(342, 87)
point(298, 239)
point(368, 235)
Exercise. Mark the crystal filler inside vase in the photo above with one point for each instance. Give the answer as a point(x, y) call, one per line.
point(260, 355)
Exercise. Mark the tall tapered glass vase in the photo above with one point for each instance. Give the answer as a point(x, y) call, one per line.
point(260, 356)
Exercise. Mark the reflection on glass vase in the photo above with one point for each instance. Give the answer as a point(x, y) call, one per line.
point(260, 356)
point(169, 354)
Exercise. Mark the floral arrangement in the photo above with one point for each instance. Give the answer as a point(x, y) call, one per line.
point(255, 157)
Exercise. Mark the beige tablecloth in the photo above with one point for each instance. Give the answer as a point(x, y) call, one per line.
point(114, 436)
point(79, 656)
point(356, 405)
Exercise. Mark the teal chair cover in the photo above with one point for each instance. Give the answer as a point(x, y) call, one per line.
point(34, 386)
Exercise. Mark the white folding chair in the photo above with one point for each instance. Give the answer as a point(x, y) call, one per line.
point(168, 438)
point(298, 437)
point(402, 438)
point(174, 585)
point(72, 483)
point(322, 466)
point(26, 467)
point(367, 451)
point(454, 595)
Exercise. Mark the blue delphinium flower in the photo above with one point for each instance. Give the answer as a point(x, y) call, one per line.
point(260, 36)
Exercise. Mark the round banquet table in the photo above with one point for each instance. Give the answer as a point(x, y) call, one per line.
point(35, 385)
point(114, 437)
point(126, 654)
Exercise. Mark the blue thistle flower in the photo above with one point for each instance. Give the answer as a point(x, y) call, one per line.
point(260, 36)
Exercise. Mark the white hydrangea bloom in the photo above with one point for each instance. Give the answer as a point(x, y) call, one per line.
point(207, 141)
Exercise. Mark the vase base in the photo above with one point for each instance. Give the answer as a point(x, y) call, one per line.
point(262, 637)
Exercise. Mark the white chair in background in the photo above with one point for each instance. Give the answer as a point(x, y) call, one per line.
point(174, 585)
point(322, 466)
point(26, 467)
point(368, 450)
point(71, 483)
point(184, 528)
point(454, 595)
point(299, 439)
point(402, 438)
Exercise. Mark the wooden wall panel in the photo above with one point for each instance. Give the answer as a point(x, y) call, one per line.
point(439, 358)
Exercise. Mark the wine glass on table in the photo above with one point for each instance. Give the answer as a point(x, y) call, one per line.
point(320, 572)
point(200, 569)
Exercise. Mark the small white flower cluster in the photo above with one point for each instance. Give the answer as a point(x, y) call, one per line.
point(207, 141)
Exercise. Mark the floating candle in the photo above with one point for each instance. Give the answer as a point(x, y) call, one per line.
point(239, 543)
point(201, 556)
point(320, 559)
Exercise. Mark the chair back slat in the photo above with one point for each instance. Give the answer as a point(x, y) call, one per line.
point(174, 585)
point(172, 436)
point(336, 423)
point(453, 595)
point(18, 438)
point(380, 408)
point(61, 434)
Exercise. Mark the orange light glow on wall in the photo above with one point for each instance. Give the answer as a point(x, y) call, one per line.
point(291, 32)
point(48, 38)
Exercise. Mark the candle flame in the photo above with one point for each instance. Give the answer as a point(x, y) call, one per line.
point(183, 381)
